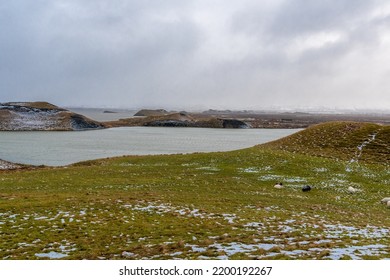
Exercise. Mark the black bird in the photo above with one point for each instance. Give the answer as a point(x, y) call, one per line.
point(306, 188)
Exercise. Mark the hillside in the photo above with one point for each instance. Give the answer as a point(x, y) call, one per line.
point(350, 141)
point(31, 116)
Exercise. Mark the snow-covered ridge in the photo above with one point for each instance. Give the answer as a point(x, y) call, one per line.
point(25, 116)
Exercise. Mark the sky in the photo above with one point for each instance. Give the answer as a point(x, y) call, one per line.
point(198, 54)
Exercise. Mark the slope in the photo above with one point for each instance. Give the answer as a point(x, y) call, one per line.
point(352, 141)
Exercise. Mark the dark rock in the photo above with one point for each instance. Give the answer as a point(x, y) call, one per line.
point(306, 188)
point(79, 122)
point(169, 123)
point(233, 123)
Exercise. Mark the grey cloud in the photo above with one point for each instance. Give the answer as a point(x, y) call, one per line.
point(300, 16)
point(186, 54)
point(83, 49)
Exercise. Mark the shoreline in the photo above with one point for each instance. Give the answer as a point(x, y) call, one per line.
point(6, 165)
point(43, 116)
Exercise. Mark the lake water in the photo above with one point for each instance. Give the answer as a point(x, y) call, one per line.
point(101, 115)
point(62, 148)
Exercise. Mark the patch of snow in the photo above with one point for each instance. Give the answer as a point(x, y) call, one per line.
point(34, 120)
point(196, 248)
point(255, 169)
point(320, 169)
point(271, 177)
point(229, 217)
point(128, 254)
point(323, 241)
point(4, 165)
point(41, 218)
point(250, 170)
point(359, 152)
point(355, 252)
point(51, 255)
point(295, 180)
point(336, 231)
point(253, 225)
point(294, 252)
point(208, 168)
point(235, 247)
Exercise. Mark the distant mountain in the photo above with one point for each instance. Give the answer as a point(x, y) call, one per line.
point(34, 116)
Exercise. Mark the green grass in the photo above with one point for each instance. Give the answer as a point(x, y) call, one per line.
point(214, 205)
point(339, 140)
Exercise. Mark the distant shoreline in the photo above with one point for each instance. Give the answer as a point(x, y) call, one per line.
point(43, 116)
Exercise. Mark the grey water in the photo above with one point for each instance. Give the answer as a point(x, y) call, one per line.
point(56, 148)
point(103, 114)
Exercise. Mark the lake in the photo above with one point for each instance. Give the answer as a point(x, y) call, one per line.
point(56, 148)
point(103, 114)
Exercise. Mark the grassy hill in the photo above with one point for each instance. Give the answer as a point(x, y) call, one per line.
point(206, 205)
point(41, 116)
point(365, 142)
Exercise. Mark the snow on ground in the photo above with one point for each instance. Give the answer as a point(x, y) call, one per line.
point(4, 165)
point(359, 152)
point(263, 235)
point(32, 120)
point(296, 237)
point(51, 255)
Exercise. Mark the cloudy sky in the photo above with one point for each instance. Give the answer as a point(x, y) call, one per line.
point(238, 54)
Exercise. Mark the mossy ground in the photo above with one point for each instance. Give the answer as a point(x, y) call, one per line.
point(209, 206)
point(197, 206)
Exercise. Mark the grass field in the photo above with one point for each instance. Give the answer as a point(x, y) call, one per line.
point(208, 206)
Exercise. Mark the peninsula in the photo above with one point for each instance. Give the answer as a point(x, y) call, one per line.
point(31, 116)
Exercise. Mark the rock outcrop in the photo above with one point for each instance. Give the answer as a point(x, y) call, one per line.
point(233, 123)
point(35, 116)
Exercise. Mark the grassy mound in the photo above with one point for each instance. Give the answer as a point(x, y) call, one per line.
point(365, 142)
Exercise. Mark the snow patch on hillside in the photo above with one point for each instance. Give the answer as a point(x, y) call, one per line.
point(41, 120)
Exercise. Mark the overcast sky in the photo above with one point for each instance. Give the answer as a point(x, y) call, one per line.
point(238, 54)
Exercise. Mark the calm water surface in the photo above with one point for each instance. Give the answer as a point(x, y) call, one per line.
point(62, 148)
point(99, 114)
